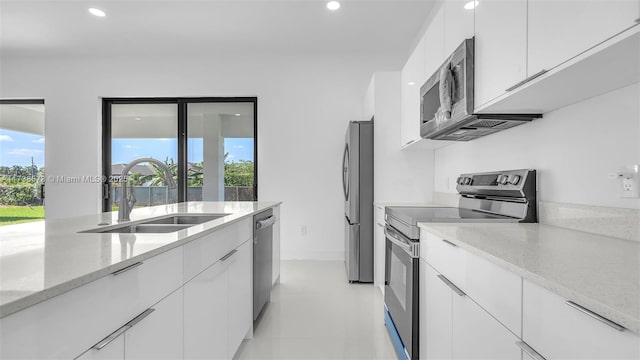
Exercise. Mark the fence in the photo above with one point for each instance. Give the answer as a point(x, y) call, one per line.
point(159, 195)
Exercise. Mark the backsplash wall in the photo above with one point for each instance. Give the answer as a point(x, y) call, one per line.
point(573, 148)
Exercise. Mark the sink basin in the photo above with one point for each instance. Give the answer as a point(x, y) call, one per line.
point(142, 229)
point(165, 224)
point(191, 219)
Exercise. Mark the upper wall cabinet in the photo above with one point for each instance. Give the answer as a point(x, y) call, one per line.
point(562, 29)
point(500, 47)
point(458, 24)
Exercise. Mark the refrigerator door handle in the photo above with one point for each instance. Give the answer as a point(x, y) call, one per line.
point(345, 172)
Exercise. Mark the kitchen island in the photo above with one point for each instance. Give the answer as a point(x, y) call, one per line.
point(63, 289)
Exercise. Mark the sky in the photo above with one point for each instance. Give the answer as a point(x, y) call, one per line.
point(125, 150)
point(18, 148)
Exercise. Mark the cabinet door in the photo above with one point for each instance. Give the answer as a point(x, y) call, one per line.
point(558, 331)
point(435, 315)
point(240, 299)
point(159, 335)
point(477, 335)
point(114, 350)
point(561, 29)
point(378, 248)
point(458, 24)
point(434, 43)
point(412, 76)
point(205, 314)
point(500, 47)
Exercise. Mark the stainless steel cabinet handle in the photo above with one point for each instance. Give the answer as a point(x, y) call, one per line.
point(230, 254)
point(595, 316)
point(451, 285)
point(114, 335)
point(118, 272)
point(527, 80)
point(266, 222)
point(409, 142)
point(529, 351)
point(380, 225)
point(449, 243)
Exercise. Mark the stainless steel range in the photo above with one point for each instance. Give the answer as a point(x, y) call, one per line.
point(502, 196)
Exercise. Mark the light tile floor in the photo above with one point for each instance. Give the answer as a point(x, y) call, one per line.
point(315, 313)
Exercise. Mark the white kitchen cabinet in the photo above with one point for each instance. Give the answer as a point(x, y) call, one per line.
point(454, 326)
point(500, 47)
point(435, 43)
point(275, 269)
point(435, 315)
point(240, 289)
point(205, 314)
point(412, 77)
point(459, 24)
point(368, 107)
point(561, 29)
point(218, 307)
point(378, 248)
point(477, 335)
point(160, 334)
point(558, 331)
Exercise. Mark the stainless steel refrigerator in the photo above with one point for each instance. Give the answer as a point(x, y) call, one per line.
point(357, 184)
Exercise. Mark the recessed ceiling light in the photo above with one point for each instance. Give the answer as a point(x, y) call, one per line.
point(97, 12)
point(138, 119)
point(333, 5)
point(237, 114)
point(471, 4)
point(411, 83)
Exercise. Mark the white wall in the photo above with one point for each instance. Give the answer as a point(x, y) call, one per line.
point(399, 176)
point(304, 104)
point(573, 148)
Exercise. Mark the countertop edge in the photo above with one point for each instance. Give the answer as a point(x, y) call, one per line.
point(59, 289)
point(627, 321)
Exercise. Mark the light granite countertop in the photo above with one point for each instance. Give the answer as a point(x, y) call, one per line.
point(43, 259)
point(598, 272)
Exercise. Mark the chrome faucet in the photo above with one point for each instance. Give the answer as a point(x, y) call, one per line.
point(128, 200)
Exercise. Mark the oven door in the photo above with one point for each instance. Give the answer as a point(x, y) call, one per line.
point(401, 288)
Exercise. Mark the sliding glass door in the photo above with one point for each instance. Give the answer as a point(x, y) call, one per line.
point(208, 144)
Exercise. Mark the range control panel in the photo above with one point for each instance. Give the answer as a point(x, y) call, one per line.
point(496, 182)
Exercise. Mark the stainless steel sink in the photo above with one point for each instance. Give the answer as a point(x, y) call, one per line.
point(191, 219)
point(142, 229)
point(164, 224)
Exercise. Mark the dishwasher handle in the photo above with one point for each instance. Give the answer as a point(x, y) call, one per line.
point(265, 223)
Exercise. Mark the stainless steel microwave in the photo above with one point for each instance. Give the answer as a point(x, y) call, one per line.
point(446, 102)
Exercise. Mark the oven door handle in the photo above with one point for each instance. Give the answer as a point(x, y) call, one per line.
point(410, 247)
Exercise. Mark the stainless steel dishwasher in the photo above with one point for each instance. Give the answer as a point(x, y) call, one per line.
point(262, 259)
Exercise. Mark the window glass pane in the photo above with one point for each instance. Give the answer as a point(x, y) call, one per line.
point(21, 163)
point(143, 131)
point(220, 151)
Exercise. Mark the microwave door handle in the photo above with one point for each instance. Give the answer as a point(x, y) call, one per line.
point(446, 87)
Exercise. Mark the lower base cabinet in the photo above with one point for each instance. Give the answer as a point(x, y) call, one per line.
point(155, 334)
point(219, 307)
point(453, 326)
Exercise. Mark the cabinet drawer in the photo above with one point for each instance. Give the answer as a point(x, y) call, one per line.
point(68, 324)
point(495, 289)
point(201, 253)
point(558, 331)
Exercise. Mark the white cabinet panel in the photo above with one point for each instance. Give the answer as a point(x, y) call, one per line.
point(434, 40)
point(379, 248)
point(558, 331)
point(561, 29)
point(275, 269)
point(412, 76)
point(435, 315)
point(368, 108)
point(205, 315)
point(240, 301)
point(477, 335)
point(500, 47)
point(459, 24)
point(159, 335)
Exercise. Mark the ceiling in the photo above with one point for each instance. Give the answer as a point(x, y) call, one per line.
point(194, 28)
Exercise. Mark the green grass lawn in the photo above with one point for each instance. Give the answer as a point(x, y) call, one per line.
point(20, 214)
